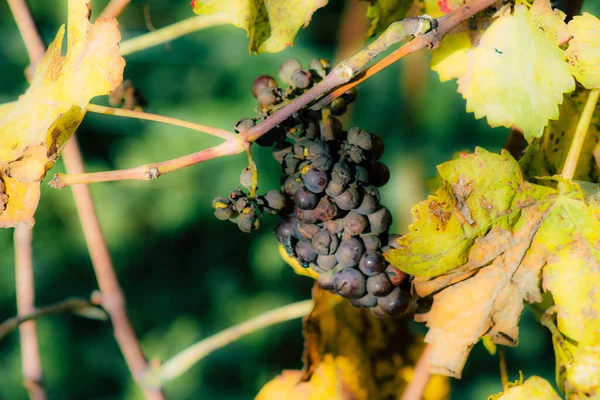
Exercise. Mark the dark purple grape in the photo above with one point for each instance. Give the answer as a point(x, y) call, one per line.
point(372, 263)
point(379, 285)
point(380, 174)
point(288, 67)
point(326, 262)
point(350, 283)
point(315, 181)
point(326, 209)
point(355, 224)
point(301, 79)
point(308, 216)
point(351, 198)
point(263, 82)
point(334, 189)
point(395, 276)
point(267, 97)
point(305, 251)
point(371, 241)
point(290, 164)
point(334, 225)
point(331, 129)
point(305, 199)
point(378, 147)
point(361, 176)
point(338, 107)
point(307, 230)
point(324, 242)
point(349, 96)
point(394, 303)
point(349, 252)
point(280, 150)
point(292, 184)
point(341, 173)
point(244, 124)
point(367, 301)
point(317, 148)
point(380, 221)
point(275, 200)
point(368, 205)
point(325, 280)
point(354, 154)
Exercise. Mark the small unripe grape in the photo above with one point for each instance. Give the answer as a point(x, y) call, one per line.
point(263, 82)
point(350, 283)
point(288, 67)
point(244, 124)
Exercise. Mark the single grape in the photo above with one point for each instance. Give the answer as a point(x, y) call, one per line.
point(326, 209)
point(395, 276)
point(326, 262)
point(368, 205)
point(307, 230)
point(305, 199)
point(240, 204)
point(367, 301)
point(263, 82)
point(378, 147)
point(379, 285)
point(372, 263)
point(301, 79)
point(315, 181)
point(244, 124)
point(292, 184)
point(266, 97)
point(338, 107)
point(341, 173)
point(353, 134)
point(246, 178)
point(380, 221)
point(280, 150)
point(371, 241)
point(349, 252)
point(305, 252)
point(308, 216)
point(353, 153)
point(317, 148)
point(364, 140)
point(322, 163)
point(355, 224)
point(334, 189)
point(275, 200)
point(319, 67)
point(325, 280)
point(380, 174)
point(361, 176)
point(224, 213)
point(247, 222)
point(288, 67)
point(349, 96)
point(351, 198)
point(350, 283)
point(324, 242)
point(290, 163)
point(394, 303)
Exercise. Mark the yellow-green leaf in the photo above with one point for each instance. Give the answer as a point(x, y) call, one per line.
point(534, 388)
point(583, 53)
point(271, 25)
point(34, 129)
point(384, 12)
point(517, 75)
point(484, 243)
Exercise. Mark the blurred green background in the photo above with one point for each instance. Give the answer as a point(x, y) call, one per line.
point(186, 274)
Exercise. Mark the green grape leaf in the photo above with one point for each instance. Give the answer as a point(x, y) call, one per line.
point(533, 388)
point(384, 12)
point(487, 241)
point(500, 74)
point(546, 156)
point(583, 53)
point(271, 25)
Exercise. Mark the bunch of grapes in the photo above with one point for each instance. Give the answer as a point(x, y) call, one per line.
point(331, 217)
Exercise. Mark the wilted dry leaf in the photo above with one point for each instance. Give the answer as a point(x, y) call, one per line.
point(35, 129)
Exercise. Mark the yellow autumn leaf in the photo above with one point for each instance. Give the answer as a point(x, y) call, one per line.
point(271, 25)
point(551, 21)
point(35, 129)
point(450, 60)
point(534, 388)
point(385, 12)
point(583, 53)
point(292, 262)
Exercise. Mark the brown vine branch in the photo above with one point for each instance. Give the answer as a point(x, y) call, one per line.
point(340, 77)
point(66, 305)
point(416, 387)
point(32, 367)
point(113, 299)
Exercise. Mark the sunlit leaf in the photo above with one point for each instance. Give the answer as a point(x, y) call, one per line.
point(271, 25)
point(35, 129)
point(532, 389)
point(583, 53)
